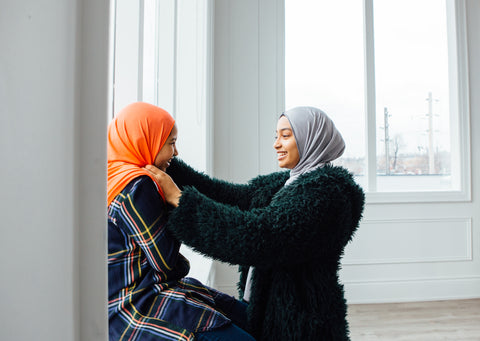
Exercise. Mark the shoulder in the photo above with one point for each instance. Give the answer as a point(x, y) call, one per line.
point(325, 184)
point(333, 186)
point(141, 185)
point(264, 187)
point(142, 194)
point(269, 183)
point(327, 196)
point(272, 179)
point(325, 176)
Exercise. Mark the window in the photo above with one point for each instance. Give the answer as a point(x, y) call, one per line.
point(145, 50)
point(161, 54)
point(392, 75)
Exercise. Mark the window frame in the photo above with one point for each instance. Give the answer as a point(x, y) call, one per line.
point(158, 77)
point(456, 13)
point(461, 164)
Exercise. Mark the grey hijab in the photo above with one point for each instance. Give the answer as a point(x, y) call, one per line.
point(318, 141)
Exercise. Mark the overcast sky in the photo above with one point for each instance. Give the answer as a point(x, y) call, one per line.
point(325, 66)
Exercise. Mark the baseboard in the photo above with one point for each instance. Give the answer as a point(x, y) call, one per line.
point(421, 289)
point(362, 292)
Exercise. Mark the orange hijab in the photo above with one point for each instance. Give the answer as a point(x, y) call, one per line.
point(135, 136)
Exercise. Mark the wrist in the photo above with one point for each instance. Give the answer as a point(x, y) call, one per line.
point(176, 201)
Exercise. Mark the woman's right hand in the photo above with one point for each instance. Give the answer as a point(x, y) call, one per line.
point(170, 189)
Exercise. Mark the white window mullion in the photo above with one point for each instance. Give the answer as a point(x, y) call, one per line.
point(113, 35)
point(175, 58)
point(149, 43)
point(141, 23)
point(459, 95)
point(209, 86)
point(166, 55)
point(126, 53)
point(370, 100)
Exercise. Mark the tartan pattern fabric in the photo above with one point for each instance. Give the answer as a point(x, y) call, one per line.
point(149, 297)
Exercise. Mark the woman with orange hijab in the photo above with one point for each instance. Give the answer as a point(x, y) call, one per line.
point(149, 296)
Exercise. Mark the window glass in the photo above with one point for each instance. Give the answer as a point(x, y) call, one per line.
point(324, 67)
point(412, 94)
point(415, 85)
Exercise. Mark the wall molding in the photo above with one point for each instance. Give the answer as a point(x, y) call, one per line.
point(444, 227)
point(410, 290)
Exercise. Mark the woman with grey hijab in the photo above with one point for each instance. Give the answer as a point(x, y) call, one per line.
point(289, 228)
point(318, 140)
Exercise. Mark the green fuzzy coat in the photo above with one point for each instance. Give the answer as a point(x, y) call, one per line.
point(294, 236)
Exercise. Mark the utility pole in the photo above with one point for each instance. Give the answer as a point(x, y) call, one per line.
point(431, 154)
point(387, 141)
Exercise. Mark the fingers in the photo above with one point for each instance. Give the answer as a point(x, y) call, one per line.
point(152, 169)
point(160, 176)
point(170, 190)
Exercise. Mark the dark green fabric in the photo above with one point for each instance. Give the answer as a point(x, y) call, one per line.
point(294, 236)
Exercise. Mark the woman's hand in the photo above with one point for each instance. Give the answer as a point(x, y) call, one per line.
point(170, 190)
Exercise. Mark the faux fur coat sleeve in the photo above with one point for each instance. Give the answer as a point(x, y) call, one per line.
point(314, 216)
point(221, 191)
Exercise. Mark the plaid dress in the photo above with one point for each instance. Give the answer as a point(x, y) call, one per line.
point(149, 298)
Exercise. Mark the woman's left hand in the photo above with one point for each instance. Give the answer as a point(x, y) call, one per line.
point(170, 189)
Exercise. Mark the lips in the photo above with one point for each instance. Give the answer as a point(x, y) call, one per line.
point(281, 155)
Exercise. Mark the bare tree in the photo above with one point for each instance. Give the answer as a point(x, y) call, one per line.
point(397, 143)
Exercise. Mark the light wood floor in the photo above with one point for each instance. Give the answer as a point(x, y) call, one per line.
point(457, 320)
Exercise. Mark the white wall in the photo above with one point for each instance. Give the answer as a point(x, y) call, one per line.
point(53, 95)
point(248, 97)
point(402, 252)
point(422, 251)
point(247, 90)
point(53, 109)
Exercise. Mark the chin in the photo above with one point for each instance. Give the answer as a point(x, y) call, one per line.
point(285, 165)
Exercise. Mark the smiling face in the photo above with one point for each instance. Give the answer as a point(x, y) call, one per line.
point(168, 151)
point(285, 145)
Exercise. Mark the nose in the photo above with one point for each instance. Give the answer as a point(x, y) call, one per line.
point(276, 144)
point(175, 151)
